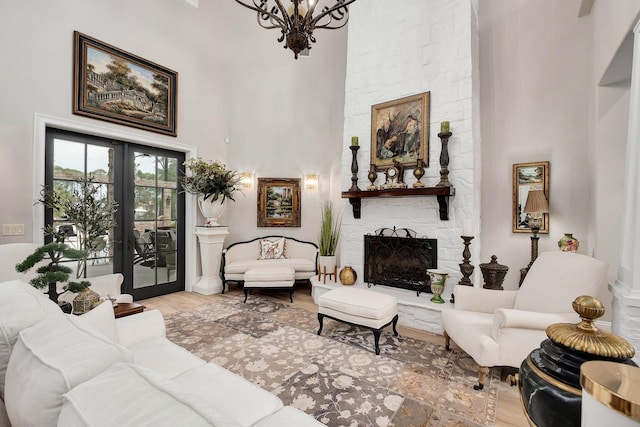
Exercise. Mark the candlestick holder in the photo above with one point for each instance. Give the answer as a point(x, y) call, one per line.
point(354, 167)
point(466, 268)
point(444, 160)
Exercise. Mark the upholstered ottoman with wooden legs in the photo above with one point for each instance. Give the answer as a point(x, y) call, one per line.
point(359, 307)
point(269, 277)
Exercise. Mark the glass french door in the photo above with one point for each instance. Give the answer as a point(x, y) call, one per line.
point(145, 242)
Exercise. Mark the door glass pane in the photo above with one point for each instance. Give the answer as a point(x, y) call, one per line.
point(83, 179)
point(155, 213)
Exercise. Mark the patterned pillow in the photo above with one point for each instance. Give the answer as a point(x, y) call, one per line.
point(272, 249)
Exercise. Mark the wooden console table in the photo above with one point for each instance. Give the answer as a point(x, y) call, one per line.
point(442, 193)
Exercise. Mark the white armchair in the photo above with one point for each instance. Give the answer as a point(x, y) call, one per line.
point(500, 328)
point(14, 253)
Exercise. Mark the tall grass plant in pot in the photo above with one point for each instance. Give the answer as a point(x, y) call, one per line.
point(331, 223)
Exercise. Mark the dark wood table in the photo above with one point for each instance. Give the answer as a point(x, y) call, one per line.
point(127, 309)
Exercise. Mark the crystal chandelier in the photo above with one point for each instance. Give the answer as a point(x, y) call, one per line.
point(296, 22)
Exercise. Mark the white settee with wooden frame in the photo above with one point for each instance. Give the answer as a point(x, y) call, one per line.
point(240, 257)
point(500, 328)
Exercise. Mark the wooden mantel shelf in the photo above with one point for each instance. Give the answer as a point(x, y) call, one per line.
point(442, 193)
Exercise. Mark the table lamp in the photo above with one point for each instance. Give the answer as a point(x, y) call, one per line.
point(536, 207)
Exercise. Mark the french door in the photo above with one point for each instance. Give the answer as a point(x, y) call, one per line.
point(146, 241)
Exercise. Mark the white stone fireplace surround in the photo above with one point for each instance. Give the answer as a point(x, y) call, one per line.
point(438, 39)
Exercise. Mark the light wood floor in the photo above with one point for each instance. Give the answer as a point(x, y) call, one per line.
point(510, 413)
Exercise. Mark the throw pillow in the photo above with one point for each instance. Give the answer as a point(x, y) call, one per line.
point(102, 319)
point(272, 249)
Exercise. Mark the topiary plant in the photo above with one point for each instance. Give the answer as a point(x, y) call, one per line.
point(49, 275)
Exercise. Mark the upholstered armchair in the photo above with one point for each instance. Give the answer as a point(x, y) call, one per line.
point(14, 253)
point(500, 328)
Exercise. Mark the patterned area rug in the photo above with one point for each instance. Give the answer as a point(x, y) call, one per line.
point(336, 377)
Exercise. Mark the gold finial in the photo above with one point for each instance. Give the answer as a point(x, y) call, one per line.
point(585, 336)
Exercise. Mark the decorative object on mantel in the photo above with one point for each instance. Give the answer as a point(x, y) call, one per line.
point(438, 279)
point(549, 379)
point(372, 176)
point(213, 183)
point(418, 173)
point(444, 136)
point(536, 207)
point(354, 167)
point(568, 243)
point(296, 22)
point(394, 177)
point(331, 223)
point(493, 274)
point(348, 275)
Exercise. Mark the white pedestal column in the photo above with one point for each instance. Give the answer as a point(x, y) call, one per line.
point(211, 240)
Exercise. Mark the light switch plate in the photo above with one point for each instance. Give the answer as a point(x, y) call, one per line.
point(13, 229)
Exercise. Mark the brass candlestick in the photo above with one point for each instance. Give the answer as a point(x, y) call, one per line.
point(444, 160)
point(354, 167)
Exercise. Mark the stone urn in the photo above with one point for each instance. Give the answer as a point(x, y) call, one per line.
point(549, 378)
point(211, 210)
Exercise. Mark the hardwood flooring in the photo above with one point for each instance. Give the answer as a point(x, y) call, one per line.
point(510, 413)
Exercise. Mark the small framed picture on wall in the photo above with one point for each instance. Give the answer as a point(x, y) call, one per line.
point(528, 177)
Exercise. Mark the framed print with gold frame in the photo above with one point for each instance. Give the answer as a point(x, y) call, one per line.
point(527, 177)
point(400, 131)
point(279, 202)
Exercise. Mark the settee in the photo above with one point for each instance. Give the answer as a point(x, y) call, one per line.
point(95, 370)
point(240, 257)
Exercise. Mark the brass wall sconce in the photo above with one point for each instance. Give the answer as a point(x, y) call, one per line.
point(311, 182)
point(246, 179)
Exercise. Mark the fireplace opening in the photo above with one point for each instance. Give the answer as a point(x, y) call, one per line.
point(399, 259)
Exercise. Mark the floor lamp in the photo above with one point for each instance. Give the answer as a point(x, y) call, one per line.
point(536, 207)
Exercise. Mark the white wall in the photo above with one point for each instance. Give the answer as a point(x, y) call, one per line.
point(36, 40)
point(396, 52)
point(283, 117)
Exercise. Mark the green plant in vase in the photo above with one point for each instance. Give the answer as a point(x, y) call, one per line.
point(330, 225)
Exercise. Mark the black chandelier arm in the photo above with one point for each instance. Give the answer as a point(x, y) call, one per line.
point(265, 15)
point(338, 12)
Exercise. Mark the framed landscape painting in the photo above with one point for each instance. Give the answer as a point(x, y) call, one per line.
point(527, 177)
point(278, 202)
point(400, 131)
point(113, 85)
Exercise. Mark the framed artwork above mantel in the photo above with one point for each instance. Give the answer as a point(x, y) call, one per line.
point(527, 177)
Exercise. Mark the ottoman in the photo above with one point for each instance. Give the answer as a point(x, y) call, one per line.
point(359, 307)
point(274, 277)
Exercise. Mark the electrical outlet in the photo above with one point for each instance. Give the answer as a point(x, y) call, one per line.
point(13, 229)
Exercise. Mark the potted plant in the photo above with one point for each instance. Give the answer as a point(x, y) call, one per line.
point(213, 183)
point(330, 225)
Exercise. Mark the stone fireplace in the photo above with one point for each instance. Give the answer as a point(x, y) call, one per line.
point(398, 259)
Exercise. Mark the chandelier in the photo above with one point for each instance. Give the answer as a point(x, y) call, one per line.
point(296, 22)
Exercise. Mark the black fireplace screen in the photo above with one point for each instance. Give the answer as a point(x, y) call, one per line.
point(396, 258)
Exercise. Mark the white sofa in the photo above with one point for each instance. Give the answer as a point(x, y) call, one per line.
point(240, 257)
point(95, 370)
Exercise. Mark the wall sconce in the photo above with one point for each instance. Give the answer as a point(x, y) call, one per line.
point(246, 179)
point(311, 182)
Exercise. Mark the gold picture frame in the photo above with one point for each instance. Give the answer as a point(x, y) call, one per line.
point(400, 131)
point(279, 202)
point(119, 87)
point(527, 177)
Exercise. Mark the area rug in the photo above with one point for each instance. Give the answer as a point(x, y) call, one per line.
point(336, 377)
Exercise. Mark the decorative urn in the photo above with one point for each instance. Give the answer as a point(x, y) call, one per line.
point(549, 378)
point(493, 273)
point(348, 275)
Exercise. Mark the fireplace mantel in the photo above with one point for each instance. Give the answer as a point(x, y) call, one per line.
point(442, 193)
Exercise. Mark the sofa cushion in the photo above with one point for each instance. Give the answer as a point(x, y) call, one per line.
point(49, 359)
point(103, 319)
point(271, 248)
point(164, 357)
point(22, 306)
point(127, 395)
point(241, 266)
point(244, 401)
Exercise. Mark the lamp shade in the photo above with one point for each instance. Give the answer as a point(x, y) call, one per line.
point(536, 202)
